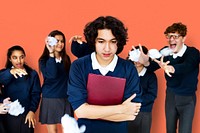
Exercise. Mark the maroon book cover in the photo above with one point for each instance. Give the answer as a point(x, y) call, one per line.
point(105, 90)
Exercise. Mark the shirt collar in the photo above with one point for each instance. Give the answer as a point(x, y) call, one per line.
point(180, 53)
point(58, 60)
point(142, 73)
point(103, 70)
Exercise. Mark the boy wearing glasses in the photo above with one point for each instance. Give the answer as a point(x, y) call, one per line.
point(181, 67)
point(108, 36)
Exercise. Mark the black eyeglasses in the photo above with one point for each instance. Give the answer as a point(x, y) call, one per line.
point(174, 36)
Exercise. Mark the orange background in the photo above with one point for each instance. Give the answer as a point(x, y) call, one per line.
point(28, 22)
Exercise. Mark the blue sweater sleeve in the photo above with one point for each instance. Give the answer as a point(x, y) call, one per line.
point(150, 93)
point(48, 68)
point(35, 92)
point(132, 83)
point(80, 50)
point(77, 85)
point(191, 62)
point(5, 76)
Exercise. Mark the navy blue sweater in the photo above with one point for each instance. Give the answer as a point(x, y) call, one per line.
point(1, 101)
point(26, 90)
point(80, 50)
point(77, 91)
point(1, 98)
point(55, 79)
point(184, 80)
point(149, 86)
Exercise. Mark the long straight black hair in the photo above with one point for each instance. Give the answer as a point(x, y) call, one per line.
point(65, 58)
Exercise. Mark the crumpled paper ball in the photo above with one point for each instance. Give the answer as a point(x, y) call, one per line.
point(154, 54)
point(70, 125)
point(15, 108)
point(134, 55)
point(52, 41)
point(166, 51)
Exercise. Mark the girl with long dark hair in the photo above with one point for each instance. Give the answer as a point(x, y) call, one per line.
point(54, 64)
point(20, 83)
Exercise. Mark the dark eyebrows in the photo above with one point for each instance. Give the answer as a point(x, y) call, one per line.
point(99, 39)
point(104, 39)
point(60, 40)
point(14, 56)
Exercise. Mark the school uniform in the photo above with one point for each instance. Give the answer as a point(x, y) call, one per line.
point(27, 90)
point(78, 93)
point(54, 102)
point(181, 88)
point(142, 123)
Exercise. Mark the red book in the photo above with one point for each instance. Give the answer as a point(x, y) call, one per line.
point(105, 90)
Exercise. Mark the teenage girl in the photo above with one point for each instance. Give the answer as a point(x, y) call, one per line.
point(54, 64)
point(20, 82)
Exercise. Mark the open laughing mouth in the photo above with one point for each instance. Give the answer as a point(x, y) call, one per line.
point(172, 46)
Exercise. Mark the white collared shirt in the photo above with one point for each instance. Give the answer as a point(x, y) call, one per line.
point(103, 70)
point(58, 60)
point(142, 73)
point(180, 53)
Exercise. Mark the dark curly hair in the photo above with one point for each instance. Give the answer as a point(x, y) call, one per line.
point(177, 27)
point(108, 22)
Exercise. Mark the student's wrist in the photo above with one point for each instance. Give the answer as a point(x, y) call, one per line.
point(51, 54)
point(121, 110)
